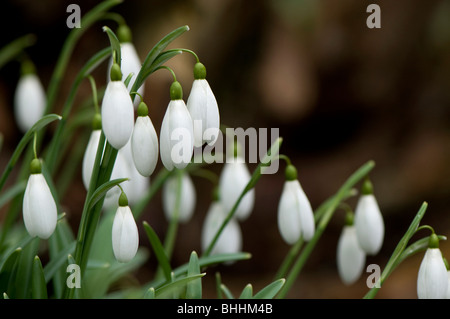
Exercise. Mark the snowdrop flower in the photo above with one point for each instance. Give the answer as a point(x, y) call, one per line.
point(369, 221)
point(432, 280)
point(177, 135)
point(230, 240)
point(232, 182)
point(187, 198)
point(350, 257)
point(144, 143)
point(125, 236)
point(130, 62)
point(117, 110)
point(295, 215)
point(29, 98)
point(91, 151)
point(39, 207)
point(202, 106)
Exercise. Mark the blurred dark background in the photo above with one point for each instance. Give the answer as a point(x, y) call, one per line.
point(340, 93)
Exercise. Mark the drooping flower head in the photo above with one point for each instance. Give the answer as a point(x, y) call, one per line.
point(177, 135)
point(295, 214)
point(39, 207)
point(350, 257)
point(432, 280)
point(202, 106)
point(125, 236)
point(29, 98)
point(179, 197)
point(144, 143)
point(117, 110)
point(369, 221)
point(232, 181)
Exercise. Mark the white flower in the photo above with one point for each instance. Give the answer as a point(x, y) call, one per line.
point(350, 257)
point(432, 280)
point(39, 207)
point(295, 215)
point(202, 106)
point(144, 146)
point(230, 240)
point(130, 63)
point(232, 182)
point(125, 236)
point(187, 198)
point(447, 295)
point(117, 114)
point(89, 157)
point(369, 224)
point(29, 101)
point(176, 137)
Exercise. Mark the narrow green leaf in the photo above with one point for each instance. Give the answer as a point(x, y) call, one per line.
point(271, 290)
point(226, 291)
point(24, 269)
point(159, 251)
point(247, 292)
point(176, 286)
point(160, 60)
point(45, 120)
point(150, 293)
point(5, 295)
point(38, 285)
point(57, 262)
point(194, 288)
point(12, 192)
point(218, 284)
point(115, 45)
point(153, 54)
point(14, 48)
point(8, 273)
point(102, 190)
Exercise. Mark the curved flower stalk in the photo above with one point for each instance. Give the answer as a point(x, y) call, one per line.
point(295, 214)
point(369, 221)
point(202, 106)
point(350, 257)
point(125, 235)
point(232, 182)
point(187, 197)
point(29, 98)
point(177, 135)
point(117, 110)
point(432, 280)
point(39, 207)
point(91, 151)
point(230, 240)
point(130, 61)
point(144, 143)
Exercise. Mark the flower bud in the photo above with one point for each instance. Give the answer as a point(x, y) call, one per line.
point(350, 257)
point(117, 114)
point(369, 224)
point(39, 207)
point(187, 198)
point(432, 280)
point(29, 101)
point(125, 236)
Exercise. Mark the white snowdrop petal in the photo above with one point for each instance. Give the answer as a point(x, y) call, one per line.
point(144, 146)
point(447, 295)
point(125, 236)
point(230, 240)
point(233, 179)
point(288, 216)
point(369, 224)
point(39, 207)
point(350, 257)
point(187, 200)
point(213, 116)
point(177, 136)
point(89, 157)
point(305, 210)
point(432, 280)
point(29, 101)
point(117, 114)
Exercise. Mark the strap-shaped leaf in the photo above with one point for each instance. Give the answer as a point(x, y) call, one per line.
point(176, 286)
point(194, 288)
point(271, 290)
point(115, 45)
point(102, 190)
point(38, 285)
point(8, 272)
point(247, 292)
point(159, 251)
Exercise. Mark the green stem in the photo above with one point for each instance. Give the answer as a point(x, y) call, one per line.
point(323, 222)
point(14, 48)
